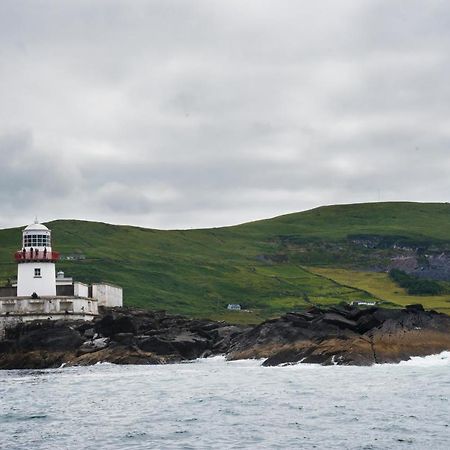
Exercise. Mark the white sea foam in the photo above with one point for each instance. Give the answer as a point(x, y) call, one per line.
point(441, 359)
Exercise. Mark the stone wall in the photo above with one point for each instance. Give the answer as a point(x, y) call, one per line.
point(14, 309)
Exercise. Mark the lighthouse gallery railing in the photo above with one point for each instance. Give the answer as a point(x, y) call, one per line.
point(38, 255)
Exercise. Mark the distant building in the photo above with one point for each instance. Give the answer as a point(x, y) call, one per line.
point(40, 293)
point(234, 307)
point(362, 303)
point(76, 257)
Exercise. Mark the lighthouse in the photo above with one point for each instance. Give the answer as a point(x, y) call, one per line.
point(36, 275)
point(39, 294)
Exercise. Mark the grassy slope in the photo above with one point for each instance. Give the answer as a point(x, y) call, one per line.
point(382, 287)
point(429, 220)
point(199, 271)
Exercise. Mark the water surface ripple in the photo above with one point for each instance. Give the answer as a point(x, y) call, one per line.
point(228, 405)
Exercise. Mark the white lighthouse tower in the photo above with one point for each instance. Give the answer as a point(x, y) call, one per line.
point(36, 262)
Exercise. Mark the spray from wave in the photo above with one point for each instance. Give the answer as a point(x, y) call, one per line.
point(441, 359)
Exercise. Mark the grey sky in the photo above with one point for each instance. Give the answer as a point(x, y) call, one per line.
point(171, 114)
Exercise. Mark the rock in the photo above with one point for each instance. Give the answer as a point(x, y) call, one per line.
point(156, 345)
point(377, 336)
point(413, 334)
point(189, 345)
point(314, 311)
point(7, 346)
point(89, 333)
point(123, 338)
point(207, 354)
point(366, 323)
point(94, 345)
point(35, 359)
point(110, 325)
point(416, 307)
point(104, 325)
point(338, 335)
point(52, 338)
point(84, 327)
point(296, 319)
point(339, 321)
point(306, 315)
point(117, 355)
point(225, 335)
point(203, 325)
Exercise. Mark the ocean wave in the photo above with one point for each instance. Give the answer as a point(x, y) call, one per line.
point(440, 359)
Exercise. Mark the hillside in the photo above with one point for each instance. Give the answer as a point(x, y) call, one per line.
point(267, 266)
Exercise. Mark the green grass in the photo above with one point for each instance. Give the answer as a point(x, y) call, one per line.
point(259, 264)
point(429, 221)
point(382, 287)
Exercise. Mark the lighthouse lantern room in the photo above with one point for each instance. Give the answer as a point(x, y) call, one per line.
point(36, 263)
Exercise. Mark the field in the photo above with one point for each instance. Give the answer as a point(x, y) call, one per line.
point(260, 265)
point(383, 288)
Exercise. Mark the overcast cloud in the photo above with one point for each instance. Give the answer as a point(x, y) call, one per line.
point(179, 114)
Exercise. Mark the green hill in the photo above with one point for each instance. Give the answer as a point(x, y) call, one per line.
point(267, 266)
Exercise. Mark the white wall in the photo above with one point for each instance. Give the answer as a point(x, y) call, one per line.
point(107, 294)
point(27, 283)
point(84, 305)
point(80, 289)
point(50, 307)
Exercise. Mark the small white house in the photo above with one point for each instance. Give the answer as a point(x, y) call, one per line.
point(362, 303)
point(234, 307)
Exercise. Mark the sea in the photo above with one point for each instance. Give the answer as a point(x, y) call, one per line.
point(216, 404)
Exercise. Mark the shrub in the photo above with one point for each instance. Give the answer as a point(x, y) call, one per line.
point(415, 285)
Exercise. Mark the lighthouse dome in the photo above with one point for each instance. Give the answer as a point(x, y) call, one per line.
point(36, 227)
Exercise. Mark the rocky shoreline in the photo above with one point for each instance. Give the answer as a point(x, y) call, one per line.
point(341, 335)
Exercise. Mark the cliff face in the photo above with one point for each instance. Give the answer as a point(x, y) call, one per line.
point(434, 265)
point(343, 335)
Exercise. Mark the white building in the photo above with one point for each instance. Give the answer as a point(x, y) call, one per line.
point(234, 307)
point(36, 262)
point(40, 293)
point(107, 294)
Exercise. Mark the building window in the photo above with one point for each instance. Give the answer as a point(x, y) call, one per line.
point(37, 272)
point(36, 240)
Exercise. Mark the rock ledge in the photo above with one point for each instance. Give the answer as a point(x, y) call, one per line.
point(342, 335)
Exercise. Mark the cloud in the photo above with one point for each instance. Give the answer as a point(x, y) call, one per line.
point(207, 113)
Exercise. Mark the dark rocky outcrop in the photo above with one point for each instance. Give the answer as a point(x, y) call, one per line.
point(337, 335)
point(121, 336)
point(345, 335)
